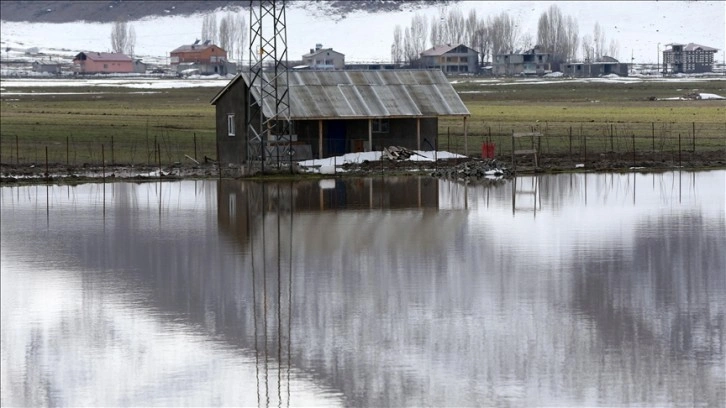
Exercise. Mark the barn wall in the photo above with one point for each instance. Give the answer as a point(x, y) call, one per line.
point(232, 149)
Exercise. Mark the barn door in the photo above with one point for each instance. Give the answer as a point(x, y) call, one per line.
point(336, 138)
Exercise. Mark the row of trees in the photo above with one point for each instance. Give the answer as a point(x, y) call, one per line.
point(230, 36)
point(557, 34)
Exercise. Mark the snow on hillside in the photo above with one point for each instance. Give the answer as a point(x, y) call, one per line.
point(641, 28)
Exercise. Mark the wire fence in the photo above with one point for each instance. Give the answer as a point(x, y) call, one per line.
point(166, 149)
point(577, 140)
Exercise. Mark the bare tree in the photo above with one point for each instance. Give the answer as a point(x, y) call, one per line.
point(209, 28)
point(573, 38)
point(123, 37)
point(614, 49)
point(526, 41)
point(588, 51)
point(455, 27)
point(482, 42)
point(131, 41)
point(408, 47)
point(435, 32)
point(598, 42)
point(419, 31)
point(502, 33)
point(241, 35)
point(472, 25)
point(397, 46)
point(228, 34)
point(557, 34)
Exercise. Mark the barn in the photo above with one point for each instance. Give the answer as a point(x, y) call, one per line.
point(337, 112)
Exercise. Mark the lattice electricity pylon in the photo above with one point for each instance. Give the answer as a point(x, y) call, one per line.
point(269, 127)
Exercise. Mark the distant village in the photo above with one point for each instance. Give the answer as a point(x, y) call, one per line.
point(207, 58)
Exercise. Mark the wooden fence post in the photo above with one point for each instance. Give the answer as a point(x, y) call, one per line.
point(103, 162)
point(694, 137)
point(570, 143)
point(679, 150)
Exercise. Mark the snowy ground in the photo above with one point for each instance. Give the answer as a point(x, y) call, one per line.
point(641, 28)
point(125, 82)
point(216, 81)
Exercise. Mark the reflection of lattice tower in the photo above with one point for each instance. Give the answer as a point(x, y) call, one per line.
point(268, 119)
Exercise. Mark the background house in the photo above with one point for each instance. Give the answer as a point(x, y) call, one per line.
point(139, 67)
point(336, 112)
point(323, 58)
point(102, 63)
point(529, 62)
point(688, 58)
point(607, 66)
point(206, 58)
point(451, 59)
point(47, 67)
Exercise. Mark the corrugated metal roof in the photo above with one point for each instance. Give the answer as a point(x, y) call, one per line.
point(367, 94)
point(439, 50)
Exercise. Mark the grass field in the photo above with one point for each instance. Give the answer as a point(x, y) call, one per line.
point(129, 126)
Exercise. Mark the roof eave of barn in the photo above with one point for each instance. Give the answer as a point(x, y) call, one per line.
point(224, 90)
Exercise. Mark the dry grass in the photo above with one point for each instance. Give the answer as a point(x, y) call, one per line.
point(126, 126)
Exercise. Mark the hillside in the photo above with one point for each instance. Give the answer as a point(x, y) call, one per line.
point(109, 11)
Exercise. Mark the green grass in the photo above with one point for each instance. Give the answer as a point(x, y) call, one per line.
point(121, 124)
point(125, 126)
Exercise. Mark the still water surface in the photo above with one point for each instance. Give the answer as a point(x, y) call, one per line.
point(582, 289)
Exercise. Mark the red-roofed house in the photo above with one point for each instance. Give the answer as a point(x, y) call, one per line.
point(102, 62)
point(207, 58)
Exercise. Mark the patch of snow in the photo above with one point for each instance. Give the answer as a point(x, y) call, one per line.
point(330, 165)
point(138, 83)
point(554, 75)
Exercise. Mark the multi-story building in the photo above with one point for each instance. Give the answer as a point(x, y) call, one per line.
point(530, 62)
point(323, 58)
point(606, 66)
point(206, 58)
point(451, 59)
point(687, 58)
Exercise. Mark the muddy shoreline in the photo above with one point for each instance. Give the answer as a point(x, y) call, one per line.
point(11, 174)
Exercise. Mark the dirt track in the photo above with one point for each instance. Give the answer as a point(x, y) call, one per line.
point(60, 174)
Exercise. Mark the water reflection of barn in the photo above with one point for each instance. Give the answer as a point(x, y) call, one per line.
point(236, 198)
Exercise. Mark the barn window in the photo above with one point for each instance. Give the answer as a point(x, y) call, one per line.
point(230, 124)
point(380, 125)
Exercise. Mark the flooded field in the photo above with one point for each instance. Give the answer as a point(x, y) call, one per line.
point(557, 290)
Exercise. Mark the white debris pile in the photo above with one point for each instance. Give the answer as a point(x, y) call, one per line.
point(330, 165)
point(692, 96)
point(398, 153)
